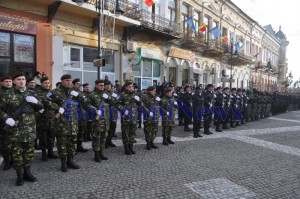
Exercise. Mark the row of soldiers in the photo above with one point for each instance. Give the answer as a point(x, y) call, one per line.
point(68, 114)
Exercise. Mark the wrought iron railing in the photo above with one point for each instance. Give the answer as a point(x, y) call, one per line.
point(216, 44)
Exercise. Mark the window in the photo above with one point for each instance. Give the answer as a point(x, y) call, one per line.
point(205, 21)
point(224, 31)
point(196, 21)
point(172, 11)
point(75, 57)
point(205, 79)
point(184, 16)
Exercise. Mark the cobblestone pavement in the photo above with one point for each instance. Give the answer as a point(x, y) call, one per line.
point(257, 160)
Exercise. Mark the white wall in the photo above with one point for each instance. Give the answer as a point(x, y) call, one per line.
point(57, 52)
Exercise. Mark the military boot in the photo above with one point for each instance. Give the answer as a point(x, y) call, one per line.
point(225, 126)
point(169, 140)
point(51, 154)
point(71, 164)
point(232, 125)
point(80, 148)
point(127, 151)
point(97, 157)
point(64, 167)
point(106, 144)
point(102, 156)
point(198, 134)
point(195, 135)
point(20, 179)
point(187, 129)
point(218, 128)
point(165, 142)
point(131, 149)
point(6, 162)
point(28, 175)
point(153, 145)
point(148, 146)
point(110, 143)
point(44, 155)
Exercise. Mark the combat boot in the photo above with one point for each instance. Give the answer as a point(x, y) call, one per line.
point(131, 149)
point(64, 167)
point(44, 155)
point(165, 142)
point(102, 156)
point(195, 135)
point(169, 140)
point(198, 134)
point(6, 162)
point(153, 145)
point(20, 179)
point(71, 164)
point(97, 157)
point(80, 148)
point(218, 128)
point(110, 143)
point(51, 154)
point(28, 175)
point(148, 146)
point(225, 126)
point(106, 144)
point(127, 151)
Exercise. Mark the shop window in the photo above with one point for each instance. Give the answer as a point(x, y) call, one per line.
point(75, 57)
point(4, 44)
point(147, 71)
point(156, 69)
point(24, 48)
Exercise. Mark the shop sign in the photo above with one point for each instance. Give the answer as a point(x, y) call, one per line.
point(17, 25)
point(151, 54)
point(181, 53)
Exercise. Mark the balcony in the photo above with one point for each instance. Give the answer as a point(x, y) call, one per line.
point(214, 48)
point(130, 9)
point(196, 43)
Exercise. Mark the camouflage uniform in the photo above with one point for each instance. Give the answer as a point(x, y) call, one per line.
point(151, 105)
point(82, 126)
point(88, 116)
point(113, 112)
point(129, 108)
point(169, 105)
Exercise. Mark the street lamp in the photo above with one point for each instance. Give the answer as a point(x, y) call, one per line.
point(232, 55)
point(269, 69)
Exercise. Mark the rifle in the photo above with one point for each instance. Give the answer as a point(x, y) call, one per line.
point(15, 114)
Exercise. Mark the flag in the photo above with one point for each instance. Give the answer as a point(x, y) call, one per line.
point(215, 31)
point(237, 47)
point(190, 22)
point(256, 56)
point(224, 38)
point(149, 3)
point(202, 28)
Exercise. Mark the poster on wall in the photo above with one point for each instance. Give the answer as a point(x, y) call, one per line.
point(4, 44)
point(23, 48)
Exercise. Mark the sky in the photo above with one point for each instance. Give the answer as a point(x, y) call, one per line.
point(278, 13)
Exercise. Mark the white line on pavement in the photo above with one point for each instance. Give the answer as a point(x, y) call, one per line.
point(281, 119)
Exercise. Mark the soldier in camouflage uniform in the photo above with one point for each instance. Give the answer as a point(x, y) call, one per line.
point(128, 104)
point(6, 84)
point(17, 110)
point(99, 101)
point(66, 122)
point(45, 120)
point(82, 122)
point(152, 112)
point(88, 114)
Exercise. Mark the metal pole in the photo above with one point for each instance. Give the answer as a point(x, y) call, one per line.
point(99, 4)
point(231, 52)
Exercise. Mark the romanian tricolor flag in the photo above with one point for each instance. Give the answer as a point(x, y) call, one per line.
point(149, 3)
point(224, 38)
point(202, 28)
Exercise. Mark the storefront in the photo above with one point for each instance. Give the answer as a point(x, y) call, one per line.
point(25, 43)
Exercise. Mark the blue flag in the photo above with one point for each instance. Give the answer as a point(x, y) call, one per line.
point(237, 48)
point(215, 31)
point(190, 22)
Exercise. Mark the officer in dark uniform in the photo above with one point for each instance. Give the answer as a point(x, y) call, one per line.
point(218, 103)
point(233, 106)
point(227, 107)
point(187, 100)
point(198, 103)
point(180, 111)
point(208, 103)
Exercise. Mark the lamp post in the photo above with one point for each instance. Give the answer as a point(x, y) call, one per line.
point(231, 53)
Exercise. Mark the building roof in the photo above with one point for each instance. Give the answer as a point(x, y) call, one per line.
point(280, 34)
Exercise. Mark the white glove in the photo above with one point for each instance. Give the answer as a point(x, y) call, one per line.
point(126, 112)
point(246, 104)
point(61, 110)
point(114, 95)
point(105, 96)
point(236, 106)
point(157, 99)
point(31, 99)
point(74, 93)
point(175, 103)
point(175, 94)
point(210, 105)
point(168, 113)
point(11, 122)
point(41, 111)
point(137, 98)
point(151, 114)
point(99, 112)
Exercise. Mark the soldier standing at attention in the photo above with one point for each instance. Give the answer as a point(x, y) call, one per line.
point(208, 103)
point(198, 104)
point(82, 122)
point(66, 122)
point(45, 120)
point(151, 103)
point(87, 131)
point(128, 104)
point(6, 84)
point(187, 100)
point(17, 110)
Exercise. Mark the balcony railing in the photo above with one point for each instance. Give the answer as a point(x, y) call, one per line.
point(194, 42)
point(215, 48)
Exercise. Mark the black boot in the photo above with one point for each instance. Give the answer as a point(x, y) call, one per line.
point(71, 164)
point(88, 137)
point(153, 145)
point(127, 151)
point(106, 144)
point(131, 149)
point(238, 123)
point(180, 123)
point(225, 126)
point(44, 155)
point(102, 156)
point(51, 154)
point(218, 128)
point(198, 134)
point(206, 131)
point(28, 175)
point(165, 142)
point(232, 125)
point(6, 162)
point(195, 135)
point(64, 167)
point(97, 157)
point(169, 140)
point(148, 146)
point(36, 145)
point(187, 129)
point(20, 179)
point(111, 144)
point(80, 148)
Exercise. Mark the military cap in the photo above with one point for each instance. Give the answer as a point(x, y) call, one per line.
point(168, 90)
point(66, 76)
point(29, 79)
point(219, 87)
point(198, 88)
point(226, 88)
point(5, 78)
point(18, 75)
point(99, 81)
point(233, 89)
point(127, 84)
point(151, 88)
point(239, 90)
point(243, 90)
point(107, 82)
point(186, 86)
point(85, 84)
point(210, 85)
point(136, 87)
point(44, 79)
point(76, 80)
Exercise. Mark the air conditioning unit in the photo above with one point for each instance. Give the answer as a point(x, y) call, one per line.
point(131, 46)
